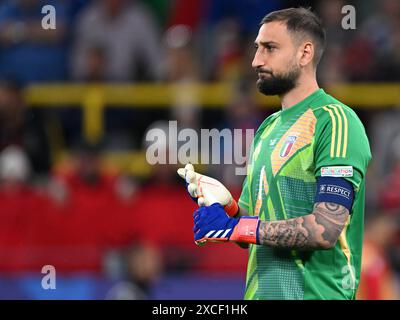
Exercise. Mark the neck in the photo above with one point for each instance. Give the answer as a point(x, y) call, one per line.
point(304, 88)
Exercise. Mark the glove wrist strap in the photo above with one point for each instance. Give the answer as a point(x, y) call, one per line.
point(246, 230)
point(232, 208)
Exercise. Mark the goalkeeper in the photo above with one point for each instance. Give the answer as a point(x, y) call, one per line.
point(301, 210)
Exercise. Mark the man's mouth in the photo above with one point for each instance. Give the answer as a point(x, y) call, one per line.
point(263, 75)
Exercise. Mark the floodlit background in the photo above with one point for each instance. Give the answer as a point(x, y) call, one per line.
point(76, 191)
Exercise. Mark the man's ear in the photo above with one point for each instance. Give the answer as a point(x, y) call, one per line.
point(306, 54)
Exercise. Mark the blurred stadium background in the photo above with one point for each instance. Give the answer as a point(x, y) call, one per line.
point(76, 191)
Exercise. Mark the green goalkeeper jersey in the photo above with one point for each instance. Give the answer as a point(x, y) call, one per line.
point(319, 136)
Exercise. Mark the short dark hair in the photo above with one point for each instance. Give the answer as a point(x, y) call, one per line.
point(302, 22)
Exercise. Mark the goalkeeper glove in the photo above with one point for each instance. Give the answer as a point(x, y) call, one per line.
point(206, 190)
point(212, 224)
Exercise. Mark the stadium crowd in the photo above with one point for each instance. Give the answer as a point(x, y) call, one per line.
point(85, 218)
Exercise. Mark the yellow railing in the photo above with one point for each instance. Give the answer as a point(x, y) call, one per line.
point(94, 98)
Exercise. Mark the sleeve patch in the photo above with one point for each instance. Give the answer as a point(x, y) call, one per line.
point(338, 171)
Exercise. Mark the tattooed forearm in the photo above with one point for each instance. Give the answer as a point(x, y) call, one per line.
point(318, 230)
point(333, 218)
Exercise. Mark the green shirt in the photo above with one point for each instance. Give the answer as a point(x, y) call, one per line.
point(289, 151)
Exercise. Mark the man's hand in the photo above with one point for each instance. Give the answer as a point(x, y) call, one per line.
point(212, 224)
point(207, 191)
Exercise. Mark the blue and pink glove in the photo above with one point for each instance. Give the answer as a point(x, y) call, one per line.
point(211, 223)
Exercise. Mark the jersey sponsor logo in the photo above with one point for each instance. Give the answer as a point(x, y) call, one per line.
point(287, 146)
point(338, 171)
point(335, 190)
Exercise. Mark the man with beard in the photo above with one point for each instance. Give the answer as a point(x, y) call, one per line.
point(301, 211)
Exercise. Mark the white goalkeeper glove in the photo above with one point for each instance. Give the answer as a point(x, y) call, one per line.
point(208, 190)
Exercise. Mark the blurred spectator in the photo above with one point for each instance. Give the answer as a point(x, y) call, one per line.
point(95, 64)
point(23, 127)
point(383, 29)
point(99, 202)
point(161, 202)
point(225, 31)
point(90, 213)
point(390, 68)
point(180, 63)
point(241, 114)
point(22, 211)
point(225, 49)
point(189, 13)
point(247, 13)
point(331, 68)
point(14, 168)
point(128, 36)
point(142, 265)
point(229, 50)
point(28, 52)
point(390, 195)
point(182, 71)
point(386, 145)
point(378, 281)
point(368, 53)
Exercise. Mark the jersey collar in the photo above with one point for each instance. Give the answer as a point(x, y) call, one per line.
point(300, 106)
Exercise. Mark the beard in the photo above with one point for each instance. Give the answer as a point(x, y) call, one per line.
point(278, 84)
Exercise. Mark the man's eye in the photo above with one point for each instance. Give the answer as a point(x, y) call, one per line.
point(270, 48)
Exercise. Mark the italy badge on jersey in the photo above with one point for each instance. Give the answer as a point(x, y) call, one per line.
point(287, 146)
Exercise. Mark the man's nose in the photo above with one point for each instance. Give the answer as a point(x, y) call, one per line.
point(257, 61)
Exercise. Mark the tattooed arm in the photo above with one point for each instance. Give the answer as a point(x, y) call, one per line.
point(318, 230)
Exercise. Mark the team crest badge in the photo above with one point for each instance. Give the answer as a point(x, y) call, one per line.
point(287, 146)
